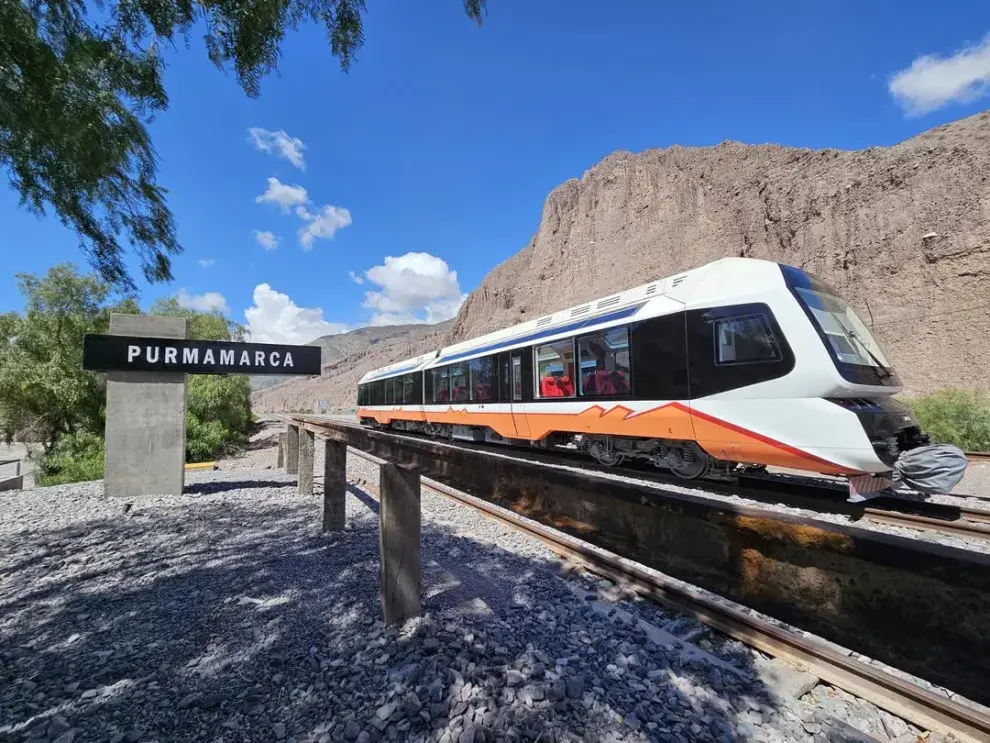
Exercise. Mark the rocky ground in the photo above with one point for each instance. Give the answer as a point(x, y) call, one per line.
point(224, 614)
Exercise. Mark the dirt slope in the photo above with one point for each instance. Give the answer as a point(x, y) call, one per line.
point(903, 232)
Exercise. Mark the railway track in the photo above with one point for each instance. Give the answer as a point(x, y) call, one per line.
point(807, 493)
point(898, 696)
point(978, 457)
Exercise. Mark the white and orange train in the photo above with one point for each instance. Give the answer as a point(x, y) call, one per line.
point(740, 362)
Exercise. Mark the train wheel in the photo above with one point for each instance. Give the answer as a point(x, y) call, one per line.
point(689, 462)
point(604, 453)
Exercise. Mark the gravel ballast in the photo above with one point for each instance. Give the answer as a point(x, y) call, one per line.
point(224, 614)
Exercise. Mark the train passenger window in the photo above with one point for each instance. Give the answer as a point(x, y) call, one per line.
point(389, 392)
point(517, 377)
point(604, 360)
point(482, 377)
point(409, 396)
point(441, 384)
point(555, 369)
point(746, 339)
point(459, 390)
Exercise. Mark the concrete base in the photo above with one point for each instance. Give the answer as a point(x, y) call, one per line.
point(281, 450)
point(399, 533)
point(146, 419)
point(334, 485)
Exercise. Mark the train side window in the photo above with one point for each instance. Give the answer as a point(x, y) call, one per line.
point(604, 360)
point(441, 384)
point(408, 389)
point(482, 378)
point(555, 369)
point(389, 392)
point(747, 339)
point(517, 387)
point(459, 389)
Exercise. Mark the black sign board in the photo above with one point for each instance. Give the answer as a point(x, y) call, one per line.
point(123, 353)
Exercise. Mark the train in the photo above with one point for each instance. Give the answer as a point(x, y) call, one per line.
point(734, 366)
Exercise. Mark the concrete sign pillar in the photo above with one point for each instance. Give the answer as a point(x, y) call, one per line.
point(146, 418)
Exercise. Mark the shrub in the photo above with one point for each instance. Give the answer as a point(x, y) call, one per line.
point(957, 417)
point(76, 457)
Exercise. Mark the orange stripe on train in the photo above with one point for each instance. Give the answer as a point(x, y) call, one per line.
point(674, 420)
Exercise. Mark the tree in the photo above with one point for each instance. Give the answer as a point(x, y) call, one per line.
point(219, 416)
point(203, 326)
point(43, 388)
point(75, 95)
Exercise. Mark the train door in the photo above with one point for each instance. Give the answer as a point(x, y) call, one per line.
point(517, 389)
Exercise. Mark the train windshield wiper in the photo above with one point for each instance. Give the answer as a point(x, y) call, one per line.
point(849, 331)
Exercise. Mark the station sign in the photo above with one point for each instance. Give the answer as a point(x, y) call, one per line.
point(106, 353)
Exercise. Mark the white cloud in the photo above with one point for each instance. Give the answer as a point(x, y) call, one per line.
point(933, 82)
point(413, 288)
point(203, 302)
point(206, 262)
point(285, 196)
point(275, 318)
point(267, 240)
point(321, 225)
point(356, 278)
point(279, 144)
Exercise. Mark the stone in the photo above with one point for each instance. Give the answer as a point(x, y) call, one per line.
point(784, 680)
point(895, 727)
point(351, 730)
point(837, 731)
point(574, 686)
point(279, 729)
point(513, 677)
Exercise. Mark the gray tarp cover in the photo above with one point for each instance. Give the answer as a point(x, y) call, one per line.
point(931, 469)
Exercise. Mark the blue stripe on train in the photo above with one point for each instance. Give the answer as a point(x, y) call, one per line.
point(593, 320)
point(545, 333)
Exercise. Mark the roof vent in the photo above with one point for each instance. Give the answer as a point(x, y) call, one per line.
point(544, 321)
point(580, 310)
point(677, 281)
point(609, 302)
point(651, 289)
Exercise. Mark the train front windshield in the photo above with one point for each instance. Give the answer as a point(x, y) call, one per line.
point(845, 332)
point(855, 351)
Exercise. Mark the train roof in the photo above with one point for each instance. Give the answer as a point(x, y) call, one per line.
point(611, 308)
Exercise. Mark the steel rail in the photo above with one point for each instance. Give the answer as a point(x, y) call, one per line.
point(900, 697)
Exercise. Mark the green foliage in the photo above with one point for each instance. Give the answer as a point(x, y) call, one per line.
point(78, 457)
point(76, 94)
point(43, 388)
point(219, 416)
point(203, 326)
point(957, 417)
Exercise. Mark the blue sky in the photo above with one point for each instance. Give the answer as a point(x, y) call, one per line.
point(430, 161)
